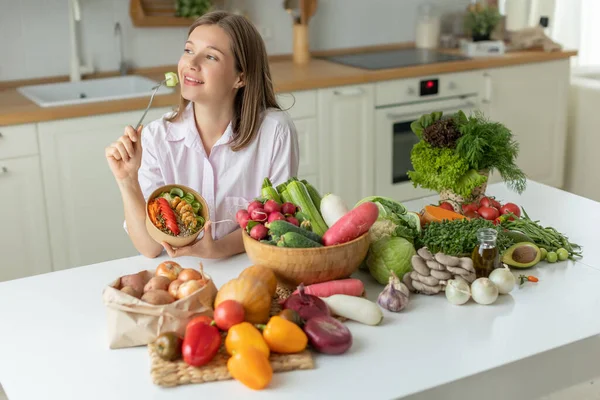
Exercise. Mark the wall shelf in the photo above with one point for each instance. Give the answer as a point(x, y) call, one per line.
point(156, 13)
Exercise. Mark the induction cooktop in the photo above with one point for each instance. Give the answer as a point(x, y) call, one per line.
point(394, 58)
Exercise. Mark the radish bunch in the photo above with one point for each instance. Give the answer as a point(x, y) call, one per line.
point(264, 213)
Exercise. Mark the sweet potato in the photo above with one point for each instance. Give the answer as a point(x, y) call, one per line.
point(157, 283)
point(136, 281)
point(158, 297)
point(131, 291)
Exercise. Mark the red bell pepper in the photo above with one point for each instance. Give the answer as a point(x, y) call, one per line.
point(169, 216)
point(200, 344)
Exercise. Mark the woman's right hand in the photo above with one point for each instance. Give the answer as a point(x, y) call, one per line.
point(125, 155)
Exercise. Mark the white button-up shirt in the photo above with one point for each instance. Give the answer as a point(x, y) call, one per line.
point(173, 154)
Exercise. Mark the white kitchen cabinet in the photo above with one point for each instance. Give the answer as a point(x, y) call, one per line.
point(84, 204)
point(24, 243)
point(532, 101)
point(346, 152)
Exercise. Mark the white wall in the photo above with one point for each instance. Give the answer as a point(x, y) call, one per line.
point(34, 34)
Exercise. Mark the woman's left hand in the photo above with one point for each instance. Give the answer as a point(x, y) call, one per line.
point(203, 248)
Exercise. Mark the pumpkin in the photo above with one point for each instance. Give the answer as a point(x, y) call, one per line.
point(263, 274)
point(252, 294)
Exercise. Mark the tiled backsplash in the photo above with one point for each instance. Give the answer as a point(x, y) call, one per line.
point(35, 33)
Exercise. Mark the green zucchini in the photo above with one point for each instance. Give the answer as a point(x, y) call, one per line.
point(280, 227)
point(315, 196)
point(269, 192)
point(296, 240)
point(281, 188)
point(300, 197)
point(285, 196)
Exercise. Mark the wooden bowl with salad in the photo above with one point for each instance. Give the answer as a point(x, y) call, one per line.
point(176, 214)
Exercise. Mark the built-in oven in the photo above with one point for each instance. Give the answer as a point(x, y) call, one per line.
point(400, 103)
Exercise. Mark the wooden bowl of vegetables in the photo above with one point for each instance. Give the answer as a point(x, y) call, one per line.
point(175, 214)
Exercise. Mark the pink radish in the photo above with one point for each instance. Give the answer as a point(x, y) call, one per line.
point(243, 221)
point(350, 287)
point(258, 214)
point(259, 232)
point(272, 206)
point(292, 220)
point(275, 216)
point(255, 204)
point(352, 225)
point(288, 208)
point(239, 214)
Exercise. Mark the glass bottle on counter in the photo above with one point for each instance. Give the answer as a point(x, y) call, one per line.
point(485, 255)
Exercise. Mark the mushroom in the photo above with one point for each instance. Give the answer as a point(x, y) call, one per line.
point(419, 265)
point(425, 289)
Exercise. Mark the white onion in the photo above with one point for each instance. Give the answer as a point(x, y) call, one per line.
point(503, 279)
point(457, 291)
point(484, 291)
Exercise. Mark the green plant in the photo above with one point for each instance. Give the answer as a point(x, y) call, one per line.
point(481, 20)
point(192, 8)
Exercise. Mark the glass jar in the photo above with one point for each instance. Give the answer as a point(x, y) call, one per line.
point(485, 255)
point(428, 27)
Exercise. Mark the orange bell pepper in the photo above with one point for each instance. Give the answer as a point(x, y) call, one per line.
point(249, 366)
point(283, 336)
point(243, 335)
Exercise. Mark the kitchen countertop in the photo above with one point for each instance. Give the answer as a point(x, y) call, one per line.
point(287, 77)
point(537, 339)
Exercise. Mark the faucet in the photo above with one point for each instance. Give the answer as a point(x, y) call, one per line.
point(119, 35)
point(77, 69)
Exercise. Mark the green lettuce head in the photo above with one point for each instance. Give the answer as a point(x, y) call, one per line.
point(390, 253)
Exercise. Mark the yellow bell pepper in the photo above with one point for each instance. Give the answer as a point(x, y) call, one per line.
point(243, 335)
point(249, 366)
point(283, 336)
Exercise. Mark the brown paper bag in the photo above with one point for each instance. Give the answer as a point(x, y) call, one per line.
point(133, 322)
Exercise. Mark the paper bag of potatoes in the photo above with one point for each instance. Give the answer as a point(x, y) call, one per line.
point(141, 306)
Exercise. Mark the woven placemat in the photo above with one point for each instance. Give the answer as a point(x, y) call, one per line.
point(174, 373)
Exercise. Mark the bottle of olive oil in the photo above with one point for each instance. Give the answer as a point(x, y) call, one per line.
point(485, 255)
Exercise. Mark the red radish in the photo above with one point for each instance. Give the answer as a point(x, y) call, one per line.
point(489, 213)
point(510, 208)
point(243, 221)
point(306, 305)
point(292, 220)
point(258, 214)
point(352, 225)
point(288, 208)
point(447, 206)
point(239, 214)
point(275, 216)
point(349, 286)
point(328, 335)
point(259, 232)
point(255, 204)
point(272, 206)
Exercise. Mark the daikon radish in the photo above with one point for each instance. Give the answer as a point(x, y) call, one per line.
point(355, 308)
point(332, 208)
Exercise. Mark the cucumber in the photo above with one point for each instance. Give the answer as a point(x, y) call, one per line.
point(196, 206)
point(271, 242)
point(296, 240)
point(280, 227)
point(176, 192)
point(189, 198)
point(171, 80)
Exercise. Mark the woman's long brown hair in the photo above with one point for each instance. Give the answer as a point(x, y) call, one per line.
point(251, 60)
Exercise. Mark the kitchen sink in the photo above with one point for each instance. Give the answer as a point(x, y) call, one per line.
point(91, 90)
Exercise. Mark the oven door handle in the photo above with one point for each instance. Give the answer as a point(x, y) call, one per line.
point(400, 117)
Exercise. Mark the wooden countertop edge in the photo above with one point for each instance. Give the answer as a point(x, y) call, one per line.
point(297, 78)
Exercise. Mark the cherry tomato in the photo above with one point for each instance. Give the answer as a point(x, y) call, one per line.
point(446, 206)
point(489, 213)
point(510, 208)
point(229, 313)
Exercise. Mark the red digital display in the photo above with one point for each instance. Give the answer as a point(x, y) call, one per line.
point(429, 84)
point(428, 87)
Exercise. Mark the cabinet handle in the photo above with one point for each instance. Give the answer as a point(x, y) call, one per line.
point(3, 170)
point(1, 136)
point(402, 117)
point(487, 99)
point(349, 92)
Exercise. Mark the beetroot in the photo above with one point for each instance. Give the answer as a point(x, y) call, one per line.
point(306, 305)
point(288, 208)
point(239, 214)
point(253, 205)
point(275, 216)
point(243, 221)
point(272, 206)
point(258, 214)
point(292, 220)
point(259, 232)
point(328, 335)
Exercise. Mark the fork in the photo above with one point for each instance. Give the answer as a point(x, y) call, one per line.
point(150, 103)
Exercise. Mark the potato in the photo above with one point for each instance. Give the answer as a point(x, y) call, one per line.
point(157, 297)
point(132, 292)
point(134, 281)
point(157, 283)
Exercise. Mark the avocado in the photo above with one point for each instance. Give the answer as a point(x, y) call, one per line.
point(522, 255)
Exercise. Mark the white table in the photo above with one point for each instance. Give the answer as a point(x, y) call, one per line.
point(536, 340)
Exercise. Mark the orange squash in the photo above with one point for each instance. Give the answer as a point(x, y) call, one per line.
point(438, 214)
point(263, 274)
point(252, 294)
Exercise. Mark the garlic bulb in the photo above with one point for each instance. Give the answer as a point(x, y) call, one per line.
point(395, 296)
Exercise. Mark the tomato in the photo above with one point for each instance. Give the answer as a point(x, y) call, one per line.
point(489, 213)
point(490, 202)
point(469, 207)
point(472, 214)
point(510, 208)
point(200, 344)
point(169, 216)
point(446, 206)
point(229, 313)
